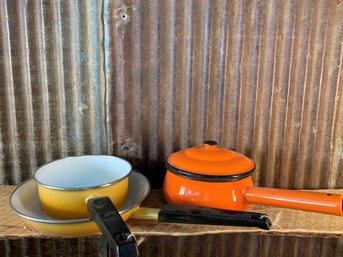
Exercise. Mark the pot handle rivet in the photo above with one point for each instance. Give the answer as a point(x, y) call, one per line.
point(90, 197)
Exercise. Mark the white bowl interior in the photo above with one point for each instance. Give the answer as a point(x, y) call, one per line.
point(79, 172)
point(25, 202)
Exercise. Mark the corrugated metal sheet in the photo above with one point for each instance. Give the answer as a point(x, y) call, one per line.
point(243, 245)
point(141, 79)
point(51, 86)
point(261, 77)
point(64, 247)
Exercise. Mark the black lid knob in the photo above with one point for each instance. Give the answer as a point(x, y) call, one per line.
point(211, 143)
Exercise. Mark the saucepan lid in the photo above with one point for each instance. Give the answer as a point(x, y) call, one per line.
point(209, 162)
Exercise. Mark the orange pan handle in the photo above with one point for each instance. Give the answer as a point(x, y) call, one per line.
point(295, 199)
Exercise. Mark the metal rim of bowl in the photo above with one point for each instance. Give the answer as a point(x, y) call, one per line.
point(81, 188)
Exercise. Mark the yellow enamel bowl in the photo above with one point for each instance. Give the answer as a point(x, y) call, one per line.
point(65, 185)
point(25, 203)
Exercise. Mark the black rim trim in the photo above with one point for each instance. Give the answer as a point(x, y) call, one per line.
point(207, 178)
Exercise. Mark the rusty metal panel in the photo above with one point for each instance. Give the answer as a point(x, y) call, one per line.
point(51, 86)
point(234, 245)
point(141, 79)
point(66, 247)
point(261, 77)
point(243, 245)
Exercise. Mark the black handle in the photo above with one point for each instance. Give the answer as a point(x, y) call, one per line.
point(199, 215)
point(110, 223)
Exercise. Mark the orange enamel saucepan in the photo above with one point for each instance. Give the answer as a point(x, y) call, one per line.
point(215, 177)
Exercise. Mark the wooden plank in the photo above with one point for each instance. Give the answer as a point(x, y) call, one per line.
point(285, 222)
